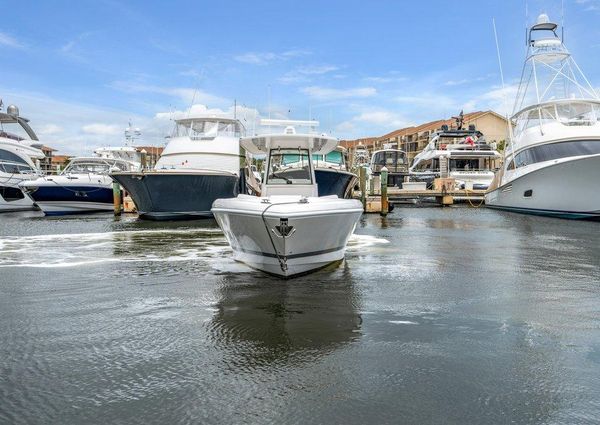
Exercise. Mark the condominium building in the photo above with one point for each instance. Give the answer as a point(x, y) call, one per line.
point(413, 139)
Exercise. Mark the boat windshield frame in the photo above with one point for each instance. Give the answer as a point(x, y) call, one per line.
point(108, 165)
point(304, 162)
point(208, 128)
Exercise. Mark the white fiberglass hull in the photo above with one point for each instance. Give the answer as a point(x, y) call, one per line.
point(286, 237)
point(565, 189)
point(24, 204)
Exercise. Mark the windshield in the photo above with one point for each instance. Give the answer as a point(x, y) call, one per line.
point(334, 157)
point(91, 167)
point(13, 131)
point(289, 166)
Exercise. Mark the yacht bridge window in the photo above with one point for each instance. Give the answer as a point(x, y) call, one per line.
point(555, 150)
point(206, 129)
point(289, 166)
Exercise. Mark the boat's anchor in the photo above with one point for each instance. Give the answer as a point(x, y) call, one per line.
point(284, 229)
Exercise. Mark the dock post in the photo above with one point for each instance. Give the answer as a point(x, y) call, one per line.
point(372, 186)
point(362, 175)
point(117, 198)
point(384, 194)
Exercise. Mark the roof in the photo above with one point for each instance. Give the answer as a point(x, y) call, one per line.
point(319, 144)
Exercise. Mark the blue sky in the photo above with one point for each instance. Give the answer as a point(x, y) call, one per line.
point(81, 70)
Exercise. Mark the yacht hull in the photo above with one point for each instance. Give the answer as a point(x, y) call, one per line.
point(335, 182)
point(63, 199)
point(24, 204)
point(167, 195)
point(317, 232)
point(567, 189)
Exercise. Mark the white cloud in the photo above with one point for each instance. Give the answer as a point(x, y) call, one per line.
point(385, 79)
point(8, 41)
point(50, 129)
point(304, 74)
point(186, 94)
point(326, 93)
point(263, 58)
point(372, 122)
point(495, 98)
point(102, 129)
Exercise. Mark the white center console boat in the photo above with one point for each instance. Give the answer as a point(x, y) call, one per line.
point(289, 230)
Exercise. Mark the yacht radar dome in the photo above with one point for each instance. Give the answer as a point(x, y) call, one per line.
point(13, 111)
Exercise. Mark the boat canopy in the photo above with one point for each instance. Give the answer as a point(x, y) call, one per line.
point(289, 139)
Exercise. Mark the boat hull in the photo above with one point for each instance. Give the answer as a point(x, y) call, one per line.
point(317, 234)
point(335, 182)
point(55, 197)
point(176, 196)
point(567, 189)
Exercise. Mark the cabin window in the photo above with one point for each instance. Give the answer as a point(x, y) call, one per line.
point(289, 166)
point(557, 150)
point(11, 193)
point(9, 156)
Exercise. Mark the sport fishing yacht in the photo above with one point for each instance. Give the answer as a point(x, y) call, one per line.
point(19, 159)
point(461, 154)
point(552, 161)
point(289, 230)
point(84, 185)
point(201, 163)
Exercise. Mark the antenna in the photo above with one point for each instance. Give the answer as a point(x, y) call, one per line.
point(234, 109)
point(562, 20)
point(508, 123)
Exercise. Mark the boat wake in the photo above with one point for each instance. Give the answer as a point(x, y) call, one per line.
point(73, 250)
point(80, 249)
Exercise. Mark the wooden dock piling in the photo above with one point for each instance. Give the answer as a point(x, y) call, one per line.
point(117, 198)
point(384, 194)
point(362, 175)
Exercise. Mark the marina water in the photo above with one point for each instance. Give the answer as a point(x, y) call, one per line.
point(451, 315)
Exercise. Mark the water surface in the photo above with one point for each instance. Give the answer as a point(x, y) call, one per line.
point(451, 315)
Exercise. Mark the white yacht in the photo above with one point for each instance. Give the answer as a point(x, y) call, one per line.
point(289, 230)
point(461, 154)
point(84, 185)
point(19, 159)
point(552, 163)
point(201, 162)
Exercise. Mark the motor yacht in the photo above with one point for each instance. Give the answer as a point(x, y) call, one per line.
point(552, 161)
point(201, 163)
point(394, 160)
point(462, 154)
point(84, 185)
point(289, 229)
point(20, 156)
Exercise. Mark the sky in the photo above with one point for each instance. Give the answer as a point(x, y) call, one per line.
point(81, 71)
